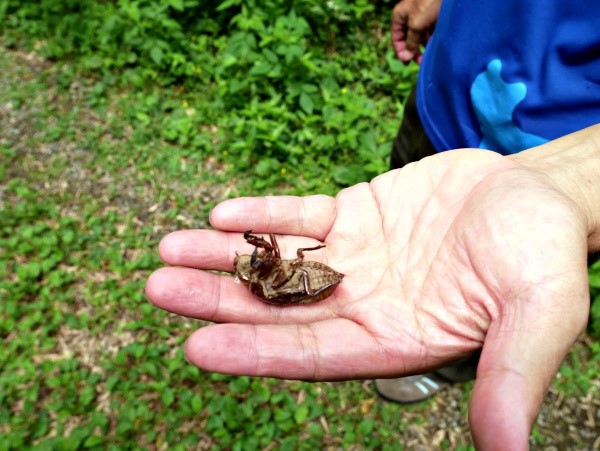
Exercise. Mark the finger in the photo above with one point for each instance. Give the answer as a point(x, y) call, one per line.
point(521, 355)
point(406, 42)
point(205, 249)
point(405, 55)
point(327, 350)
point(216, 250)
point(310, 216)
point(217, 298)
point(398, 32)
point(414, 39)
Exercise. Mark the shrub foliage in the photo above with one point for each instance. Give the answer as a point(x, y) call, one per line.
point(299, 92)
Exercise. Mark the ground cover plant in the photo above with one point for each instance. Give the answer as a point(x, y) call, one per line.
point(121, 121)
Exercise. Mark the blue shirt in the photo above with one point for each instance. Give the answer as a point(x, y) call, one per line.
point(510, 75)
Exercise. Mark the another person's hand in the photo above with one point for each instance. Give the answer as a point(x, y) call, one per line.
point(461, 250)
point(412, 24)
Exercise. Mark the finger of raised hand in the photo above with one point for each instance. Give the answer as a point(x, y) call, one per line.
point(398, 31)
point(310, 216)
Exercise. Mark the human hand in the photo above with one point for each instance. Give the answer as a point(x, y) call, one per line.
point(412, 25)
point(461, 250)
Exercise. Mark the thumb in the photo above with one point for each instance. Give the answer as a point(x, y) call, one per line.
point(522, 352)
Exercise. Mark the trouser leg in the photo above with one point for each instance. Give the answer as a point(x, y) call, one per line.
point(411, 143)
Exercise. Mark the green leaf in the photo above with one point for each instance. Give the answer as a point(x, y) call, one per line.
point(239, 384)
point(301, 413)
point(349, 175)
point(93, 441)
point(133, 12)
point(68, 236)
point(176, 4)
point(87, 395)
point(595, 280)
point(228, 4)
point(282, 415)
point(366, 426)
point(306, 103)
point(156, 54)
point(41, 426)
point(167, 396)
point(266, 167)
point(196, 403)
point(94, 62)
point(260, 68)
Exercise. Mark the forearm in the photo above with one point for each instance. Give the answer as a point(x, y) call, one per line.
point(573, 164)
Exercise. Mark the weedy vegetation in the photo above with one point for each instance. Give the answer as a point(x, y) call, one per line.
point(123, 120)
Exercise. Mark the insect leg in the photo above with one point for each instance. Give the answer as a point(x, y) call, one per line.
point(253, 257)
point(274, 245)
point(306, 281)
point(300, 251)
point(257, 241)
point(281, 278)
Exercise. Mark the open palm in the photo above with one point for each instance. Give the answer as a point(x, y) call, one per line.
point(461, 250)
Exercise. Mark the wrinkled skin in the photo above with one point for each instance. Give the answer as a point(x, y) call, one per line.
point(462, 250)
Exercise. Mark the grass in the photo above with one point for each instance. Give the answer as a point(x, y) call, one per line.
point(93, 172)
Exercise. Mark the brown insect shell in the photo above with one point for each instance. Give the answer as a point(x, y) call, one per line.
point(275, 289)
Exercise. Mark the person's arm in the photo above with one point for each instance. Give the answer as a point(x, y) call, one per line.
point(573, 164)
